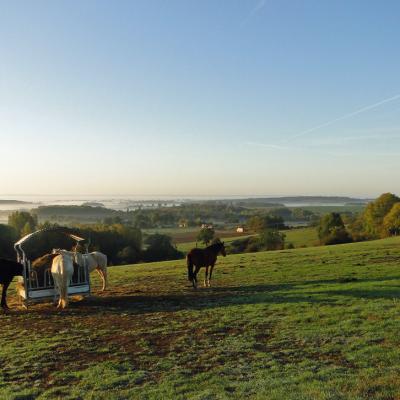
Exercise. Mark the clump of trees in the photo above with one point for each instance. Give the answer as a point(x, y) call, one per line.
point(331, 230)
point(206, 235)
point(267, 240)
point(381, 218)
point(375, 213)
point(391, 221)
point(261, 223)
point(23, 222)
point(159, 248)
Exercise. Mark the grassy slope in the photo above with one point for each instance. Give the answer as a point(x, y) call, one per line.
point(315, 323)
point(302, 237)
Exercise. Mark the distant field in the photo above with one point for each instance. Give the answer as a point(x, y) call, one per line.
point(185, 247)
point(189, 235)
point(340, 209)
point(302, 237)
point(317, 323)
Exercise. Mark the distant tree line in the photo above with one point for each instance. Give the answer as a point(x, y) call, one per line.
point(380, 218)
point(123, 244)
point(184, 215)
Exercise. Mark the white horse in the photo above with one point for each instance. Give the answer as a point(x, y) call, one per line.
point(62, 269)
point(94, 261)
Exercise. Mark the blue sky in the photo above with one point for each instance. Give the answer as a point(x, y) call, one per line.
point(200, 97)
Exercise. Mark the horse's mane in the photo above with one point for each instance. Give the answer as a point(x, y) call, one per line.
point(215, 246)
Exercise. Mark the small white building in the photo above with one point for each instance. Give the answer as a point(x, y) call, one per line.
point(207, 226)
point(240, 229)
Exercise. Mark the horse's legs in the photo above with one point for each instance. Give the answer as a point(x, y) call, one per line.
point(56, 290)
point(4, 294)
point(194, 281)
point(205, 276)
point(103, 276)
point(63, 302)
point(209, 276)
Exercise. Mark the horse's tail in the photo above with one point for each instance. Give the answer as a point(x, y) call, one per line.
point(189, 267)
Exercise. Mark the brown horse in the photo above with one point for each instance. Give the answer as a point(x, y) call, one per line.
point(8, 269)
point(40, 270)
point(203, 258)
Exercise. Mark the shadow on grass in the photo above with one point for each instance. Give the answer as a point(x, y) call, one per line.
point(196, 299)
point(208, 298)
point(376, 293)
point(349, 279)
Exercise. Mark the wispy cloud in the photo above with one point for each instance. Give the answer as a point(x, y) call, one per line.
point(322, 151)
point(256, 9)
point(345, 116)
point(341, 140)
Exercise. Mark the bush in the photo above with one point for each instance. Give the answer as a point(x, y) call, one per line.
point(331, 230)
point(206, 235)
point(23, 222)
point(267, 240)
point(160, 248)
point(128, 255)
point(261, 223)
point(272, 240)
point(338, 235)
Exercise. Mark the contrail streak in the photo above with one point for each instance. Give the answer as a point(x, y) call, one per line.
point(258, 7)
point(352, 114)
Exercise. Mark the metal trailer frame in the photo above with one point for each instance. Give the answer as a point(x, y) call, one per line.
point(28, 287)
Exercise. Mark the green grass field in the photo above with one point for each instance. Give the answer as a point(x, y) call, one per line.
point(313, 323)
point(187, 246)
point(302, 237)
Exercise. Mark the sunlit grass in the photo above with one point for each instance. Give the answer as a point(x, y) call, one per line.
point(313, 323)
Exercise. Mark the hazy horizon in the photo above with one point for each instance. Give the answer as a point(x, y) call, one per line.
point(190, 98)
point(83, 196)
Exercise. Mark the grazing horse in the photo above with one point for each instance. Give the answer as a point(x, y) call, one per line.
point(39, 267)
point(203, 258)
point(8, 269)
point(62, 269)
point(94, 261)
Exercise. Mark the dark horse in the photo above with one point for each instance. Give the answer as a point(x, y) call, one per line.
point(8, 269)
point(203, 258)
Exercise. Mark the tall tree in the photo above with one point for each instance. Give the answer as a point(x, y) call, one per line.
point(331, 229)
point(206, 235)
point(23, 222)
point(375, 213)
point(391, 222)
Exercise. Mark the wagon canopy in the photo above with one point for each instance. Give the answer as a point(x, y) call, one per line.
point(19, 246)
point(53, 229)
